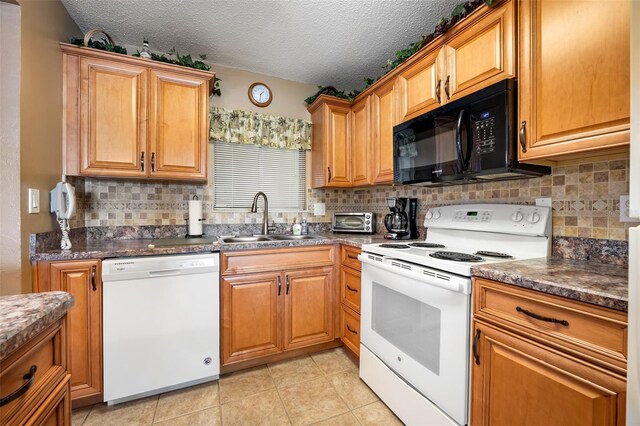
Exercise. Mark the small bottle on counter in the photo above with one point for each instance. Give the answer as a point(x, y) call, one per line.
point(305, 226)
point(296, 228)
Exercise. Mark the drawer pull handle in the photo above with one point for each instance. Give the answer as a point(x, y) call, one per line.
point(352, 257)
point(476, 355)
point(541, 318)
point(355, 290)
point(93, 278)
point(29, 377)
point(351, 329)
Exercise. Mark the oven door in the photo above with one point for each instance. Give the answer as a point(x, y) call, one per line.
point(349, 222)
point(419, 328)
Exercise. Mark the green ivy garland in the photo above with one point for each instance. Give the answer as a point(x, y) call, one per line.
point(459, 12)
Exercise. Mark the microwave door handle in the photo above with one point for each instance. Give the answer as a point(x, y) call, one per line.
point(461, 163)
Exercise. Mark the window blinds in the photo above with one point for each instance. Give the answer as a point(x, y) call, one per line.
point(242, 170)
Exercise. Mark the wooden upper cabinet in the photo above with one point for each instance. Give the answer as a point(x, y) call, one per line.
point(573, 79)
point(178, 126)
point(361, 155)
point(113, 126)
point(419, 86)
point(82, 280)
point(330, 142)
point(384, 117)
point(480, 53)
point(132, 117)
point(518, 382)
point(309, 307)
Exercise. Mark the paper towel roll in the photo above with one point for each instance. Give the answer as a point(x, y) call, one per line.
point(195, 217)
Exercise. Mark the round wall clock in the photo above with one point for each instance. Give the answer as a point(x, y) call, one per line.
point(260, 94)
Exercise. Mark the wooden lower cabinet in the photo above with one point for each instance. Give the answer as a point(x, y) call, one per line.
point(308, 310)
point(82, 279)
point(350, 268)
point(520, 382)
point(43, 360)
point(539, 359)
point(251, 316)
point(267, 314)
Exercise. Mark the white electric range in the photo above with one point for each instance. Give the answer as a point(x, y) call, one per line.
point(416, 304)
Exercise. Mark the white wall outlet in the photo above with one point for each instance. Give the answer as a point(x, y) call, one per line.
point(543, 202)
point(34, 201)
point(319, 209)
point(624, 209)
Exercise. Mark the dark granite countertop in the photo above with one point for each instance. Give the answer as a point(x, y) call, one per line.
point(586, 281)
point(22, 316)
point(143, 247)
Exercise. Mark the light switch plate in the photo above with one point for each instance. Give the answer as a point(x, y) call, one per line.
point(34, 201)
point(543, 202)
point(319, 209)
point(624, 209)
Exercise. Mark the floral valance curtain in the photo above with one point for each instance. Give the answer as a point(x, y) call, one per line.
point(245, 127)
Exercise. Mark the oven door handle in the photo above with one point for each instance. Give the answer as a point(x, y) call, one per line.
point(456, 287)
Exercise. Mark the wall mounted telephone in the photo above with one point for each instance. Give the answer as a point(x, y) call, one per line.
point(63, 204)
point(63, 200)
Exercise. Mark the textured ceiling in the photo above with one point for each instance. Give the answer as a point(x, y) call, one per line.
point(328, 42)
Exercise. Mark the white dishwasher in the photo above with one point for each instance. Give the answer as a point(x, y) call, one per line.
point(161, 324)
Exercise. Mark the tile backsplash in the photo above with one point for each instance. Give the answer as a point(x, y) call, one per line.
point(585, 200)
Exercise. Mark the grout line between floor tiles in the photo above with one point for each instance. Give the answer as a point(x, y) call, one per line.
point(280, 397)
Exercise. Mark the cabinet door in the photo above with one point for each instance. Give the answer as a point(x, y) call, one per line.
point(251, 319)
point(419, 86)
point(518, 382)
point(113, 118)
point(573, 77)
point(82, 280)
point(482, 53)
point(178, 126)
point(309, 307)
point(384, 117)
point(338, 144)
point(361, 142)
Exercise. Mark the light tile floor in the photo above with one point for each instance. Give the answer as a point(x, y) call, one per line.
point(321, 388)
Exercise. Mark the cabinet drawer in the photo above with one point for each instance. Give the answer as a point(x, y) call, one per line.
point(56, 410)
point(350, 329)
point(591, 330)
point(350, 288)
point(349, 257)
point(242, 262)
point(46, 353)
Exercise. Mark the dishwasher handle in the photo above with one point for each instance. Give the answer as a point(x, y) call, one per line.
point(164, 272)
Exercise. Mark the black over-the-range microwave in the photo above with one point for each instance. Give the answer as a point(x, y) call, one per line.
point(469, 140)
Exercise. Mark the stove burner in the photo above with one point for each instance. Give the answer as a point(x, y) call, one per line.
point(427, 245)
point(494, 254)
point(394, 246)
point(455, 256)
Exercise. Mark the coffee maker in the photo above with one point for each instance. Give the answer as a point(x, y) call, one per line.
point(401, 226)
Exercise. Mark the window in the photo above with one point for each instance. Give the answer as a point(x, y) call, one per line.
point(242, 170)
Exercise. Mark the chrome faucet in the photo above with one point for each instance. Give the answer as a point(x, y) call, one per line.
point(254, 209)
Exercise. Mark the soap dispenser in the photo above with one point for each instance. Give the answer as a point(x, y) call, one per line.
point(296, 228)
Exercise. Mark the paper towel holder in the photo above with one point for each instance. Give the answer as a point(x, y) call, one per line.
point(195, 197)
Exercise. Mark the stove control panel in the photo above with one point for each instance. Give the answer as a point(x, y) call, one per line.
point(503, 218)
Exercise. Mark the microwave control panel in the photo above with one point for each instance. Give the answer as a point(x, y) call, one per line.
point(484, 134)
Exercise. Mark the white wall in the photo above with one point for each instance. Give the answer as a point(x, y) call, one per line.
point(10, 258)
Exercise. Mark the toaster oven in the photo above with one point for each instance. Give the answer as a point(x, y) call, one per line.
point(357, 223)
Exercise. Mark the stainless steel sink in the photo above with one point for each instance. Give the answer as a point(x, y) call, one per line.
point(273, 237)
point(245, 239)
point(296, 237)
